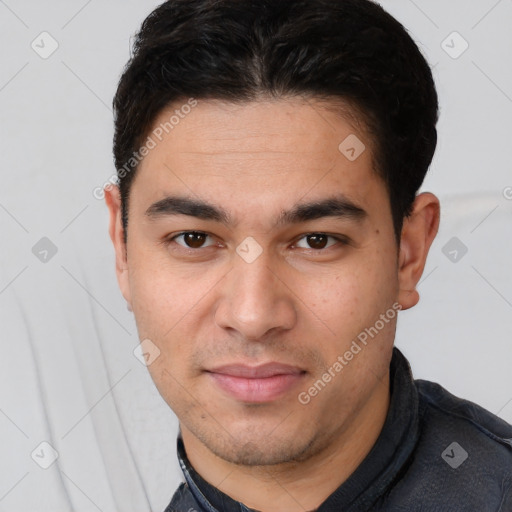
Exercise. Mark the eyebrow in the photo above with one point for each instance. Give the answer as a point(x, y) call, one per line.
point(336, 206)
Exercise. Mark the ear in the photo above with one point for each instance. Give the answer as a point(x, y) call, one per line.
point(418, 233)
point(116, 231)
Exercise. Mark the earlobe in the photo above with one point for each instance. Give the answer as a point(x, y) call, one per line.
point(116, 232)
point(418, 233)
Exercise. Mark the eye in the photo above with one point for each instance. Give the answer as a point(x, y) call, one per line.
point(318, 241)
point(191, 239)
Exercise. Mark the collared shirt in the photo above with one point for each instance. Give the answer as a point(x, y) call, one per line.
point(435, 453)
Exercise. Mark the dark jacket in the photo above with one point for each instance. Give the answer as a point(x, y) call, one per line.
point(435, 453)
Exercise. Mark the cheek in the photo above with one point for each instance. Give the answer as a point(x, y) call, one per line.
point(171, 303)
point(352, 296)
point(160, 288)
point(161, 299)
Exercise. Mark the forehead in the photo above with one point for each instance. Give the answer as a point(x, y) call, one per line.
point(257, 152)
point(291, 126)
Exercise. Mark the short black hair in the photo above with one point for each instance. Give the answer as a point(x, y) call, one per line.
point(242, 50)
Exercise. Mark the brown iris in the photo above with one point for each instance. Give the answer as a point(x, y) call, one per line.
point(194, 239)
point(317, 241)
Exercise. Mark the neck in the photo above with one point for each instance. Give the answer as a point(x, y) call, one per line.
point(305, 485)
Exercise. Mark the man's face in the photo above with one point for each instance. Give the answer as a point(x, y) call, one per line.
point(258, 289)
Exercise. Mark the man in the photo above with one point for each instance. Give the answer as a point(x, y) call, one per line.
point(268, 231)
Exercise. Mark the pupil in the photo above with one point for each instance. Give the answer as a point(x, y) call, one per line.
point(317, 241)
point(194, 240)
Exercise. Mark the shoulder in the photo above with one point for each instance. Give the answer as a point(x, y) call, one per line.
point(442, 410)
point(462, 459)
point(463, 456)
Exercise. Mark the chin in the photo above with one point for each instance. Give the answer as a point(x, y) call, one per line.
point(259, 446)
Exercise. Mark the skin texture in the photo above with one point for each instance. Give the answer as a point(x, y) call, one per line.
point(297, 303)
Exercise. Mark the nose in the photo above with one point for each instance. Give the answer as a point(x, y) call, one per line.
point(256, 299)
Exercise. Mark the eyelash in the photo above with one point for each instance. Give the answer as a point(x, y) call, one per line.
point(339, 239)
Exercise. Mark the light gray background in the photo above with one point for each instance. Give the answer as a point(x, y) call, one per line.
point(68, 375)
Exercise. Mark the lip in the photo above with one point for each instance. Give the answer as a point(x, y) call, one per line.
point(256, 384)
